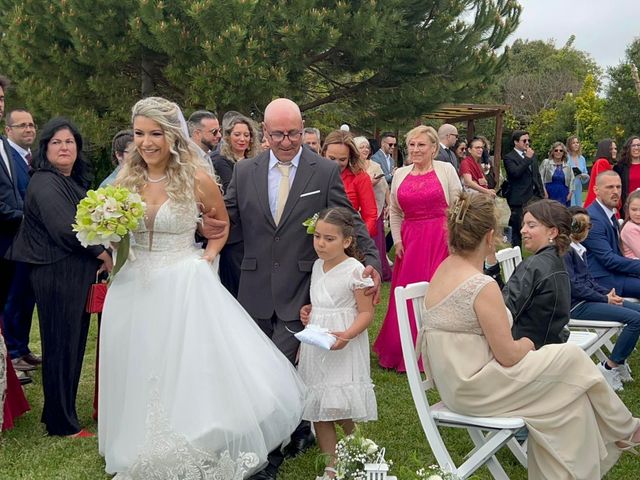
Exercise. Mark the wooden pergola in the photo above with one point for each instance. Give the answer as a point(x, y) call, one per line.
point(469, 112)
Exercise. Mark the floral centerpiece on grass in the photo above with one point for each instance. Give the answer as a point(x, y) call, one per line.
point(107, 216)
point(353, 452)
point(433, 472)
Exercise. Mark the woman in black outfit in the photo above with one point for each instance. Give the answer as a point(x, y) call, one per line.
point(240, 141)
point(62, 270)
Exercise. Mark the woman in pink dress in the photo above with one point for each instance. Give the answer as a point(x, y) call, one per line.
point(420, 195)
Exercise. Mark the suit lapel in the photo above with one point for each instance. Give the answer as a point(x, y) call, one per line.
point(306, 170)
point(261, 185)
point(11, 174)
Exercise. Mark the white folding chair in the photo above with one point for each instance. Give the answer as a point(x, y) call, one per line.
point(586, 338)
point(488, 434)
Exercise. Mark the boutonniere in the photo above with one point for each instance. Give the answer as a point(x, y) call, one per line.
point(310, 223)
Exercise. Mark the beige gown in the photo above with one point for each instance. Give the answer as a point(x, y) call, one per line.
point(572, 414)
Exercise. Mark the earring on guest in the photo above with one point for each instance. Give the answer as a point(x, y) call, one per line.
point(551, 241)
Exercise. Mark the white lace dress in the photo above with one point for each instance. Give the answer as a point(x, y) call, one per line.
point(338, 381)
point(190, 388)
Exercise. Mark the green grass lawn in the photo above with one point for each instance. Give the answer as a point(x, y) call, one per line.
point(26, 453)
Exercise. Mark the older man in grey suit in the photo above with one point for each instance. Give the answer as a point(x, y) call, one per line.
point(268, 199)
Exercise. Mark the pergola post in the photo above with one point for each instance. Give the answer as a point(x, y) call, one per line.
point(497, 147)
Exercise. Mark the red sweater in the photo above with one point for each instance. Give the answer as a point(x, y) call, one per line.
point(360, 193)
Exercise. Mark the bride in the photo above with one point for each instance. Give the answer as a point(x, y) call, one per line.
point(190, 388)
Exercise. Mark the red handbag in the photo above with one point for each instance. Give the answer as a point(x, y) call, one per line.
point(97, 294)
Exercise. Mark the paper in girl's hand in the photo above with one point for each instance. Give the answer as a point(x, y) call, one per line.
point(317, 336)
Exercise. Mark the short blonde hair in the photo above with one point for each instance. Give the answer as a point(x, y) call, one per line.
point(430, 132)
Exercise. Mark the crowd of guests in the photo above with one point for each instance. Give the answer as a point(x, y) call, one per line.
point(440, 211)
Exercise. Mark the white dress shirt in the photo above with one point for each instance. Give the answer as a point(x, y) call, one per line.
point(275, 176)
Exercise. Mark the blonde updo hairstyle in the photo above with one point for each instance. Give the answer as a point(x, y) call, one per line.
point(184, 157)
point(469, 218)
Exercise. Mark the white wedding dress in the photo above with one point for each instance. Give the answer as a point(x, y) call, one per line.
point(190, 388)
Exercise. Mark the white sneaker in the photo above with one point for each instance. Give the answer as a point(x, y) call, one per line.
point(624, 372)
point(612, 377)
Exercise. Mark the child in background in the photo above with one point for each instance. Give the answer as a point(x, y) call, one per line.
point(339, 388)
point(630, 234)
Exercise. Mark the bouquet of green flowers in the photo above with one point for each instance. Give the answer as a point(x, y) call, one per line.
point(353, 452)
point(106, 216)
point(433, 472)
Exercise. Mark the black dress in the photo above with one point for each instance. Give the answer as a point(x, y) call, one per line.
point(233, 251)
point(62, 271)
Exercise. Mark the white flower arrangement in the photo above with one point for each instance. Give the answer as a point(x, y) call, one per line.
point(355, 451)
point(433, 472)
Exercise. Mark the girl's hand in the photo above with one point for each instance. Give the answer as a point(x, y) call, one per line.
point(305, 314)
point(342, 340)
point(209, 256)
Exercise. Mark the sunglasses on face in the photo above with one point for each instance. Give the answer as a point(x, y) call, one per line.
point(558, 150)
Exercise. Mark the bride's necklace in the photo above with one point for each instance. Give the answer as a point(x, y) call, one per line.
point(156, 180)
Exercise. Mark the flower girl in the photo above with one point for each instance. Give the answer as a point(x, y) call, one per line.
point(339, 388)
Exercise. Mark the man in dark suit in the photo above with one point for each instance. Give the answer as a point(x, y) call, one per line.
point(448, 136)
point(11, 210)
point(523, 178)
point(384, 156)
point(268, 199)
point(18, 310)
point(608, 266)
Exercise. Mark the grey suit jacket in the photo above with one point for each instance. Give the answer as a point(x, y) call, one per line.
point(381, 159)
point(276, 269)
point(447, 156)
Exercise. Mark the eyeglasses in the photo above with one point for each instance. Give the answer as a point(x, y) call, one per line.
point(293, 135)
point(556, 150)
point(525, 141)
point(23, 126)
point(635, 145)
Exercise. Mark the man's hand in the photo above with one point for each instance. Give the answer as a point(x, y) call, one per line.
point(529, 153)
point(305, 314)
point(613, 298)
point(212, 228)
point(371, 272)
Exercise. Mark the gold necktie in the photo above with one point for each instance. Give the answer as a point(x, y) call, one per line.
point(283, 189)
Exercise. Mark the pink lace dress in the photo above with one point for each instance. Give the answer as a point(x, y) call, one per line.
point(424, 237)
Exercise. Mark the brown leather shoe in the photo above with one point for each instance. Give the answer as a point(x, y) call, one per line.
point(32, 359)
point(22, 366)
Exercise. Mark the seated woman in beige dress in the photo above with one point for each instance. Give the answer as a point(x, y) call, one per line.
point(577, 424)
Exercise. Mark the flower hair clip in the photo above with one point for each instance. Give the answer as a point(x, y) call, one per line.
point(310, 223)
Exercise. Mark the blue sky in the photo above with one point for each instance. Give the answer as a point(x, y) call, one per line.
point(602, 28)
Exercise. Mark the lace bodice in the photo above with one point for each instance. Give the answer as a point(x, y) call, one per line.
point(421, 197)
point(167, 227)
point(455, 313)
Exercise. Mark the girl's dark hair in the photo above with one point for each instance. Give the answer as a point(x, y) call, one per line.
point(604, 150)
point(577, 228)
point(469, 218)
point(119, 144)
point(625, 153)
point(343, 218)
point(81, 171)
point(553, 214)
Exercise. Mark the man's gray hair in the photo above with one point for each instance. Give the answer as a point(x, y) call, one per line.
point(314, 131)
